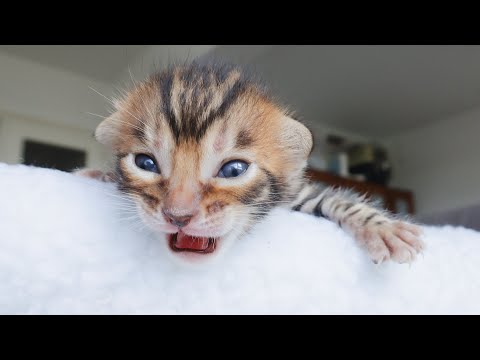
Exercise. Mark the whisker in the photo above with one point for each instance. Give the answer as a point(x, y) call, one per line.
point(113, 103)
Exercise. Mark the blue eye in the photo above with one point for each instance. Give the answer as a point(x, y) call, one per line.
point(145, 162)
point(233, 168)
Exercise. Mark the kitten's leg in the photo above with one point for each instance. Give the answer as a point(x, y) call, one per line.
point(378, 232)
point(95, 174)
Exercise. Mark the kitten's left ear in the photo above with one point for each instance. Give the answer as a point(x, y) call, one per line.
point(297, 137)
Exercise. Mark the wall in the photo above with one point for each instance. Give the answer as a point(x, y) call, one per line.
point(440, 163)
point(37, 91)
point(14, 130)
point(51, 105)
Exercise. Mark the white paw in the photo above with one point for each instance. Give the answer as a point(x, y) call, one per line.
point(397, 240)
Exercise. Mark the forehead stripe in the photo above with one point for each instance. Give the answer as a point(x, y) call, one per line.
point(228, 100)
point(243, 140)
point(165, 82)
point(194, 99)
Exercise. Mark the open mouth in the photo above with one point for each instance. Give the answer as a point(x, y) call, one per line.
point(183, 242)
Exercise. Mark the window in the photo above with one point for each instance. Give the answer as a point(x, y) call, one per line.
point(52, 156)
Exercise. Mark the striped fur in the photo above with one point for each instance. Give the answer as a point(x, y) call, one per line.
point(380, 233)
point(192, 119)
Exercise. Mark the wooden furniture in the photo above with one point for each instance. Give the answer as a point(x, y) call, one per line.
point(396, 200)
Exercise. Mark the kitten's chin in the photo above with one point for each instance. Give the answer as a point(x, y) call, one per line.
point(196, 250)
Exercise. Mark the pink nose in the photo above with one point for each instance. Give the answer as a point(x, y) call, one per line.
point(179, 221)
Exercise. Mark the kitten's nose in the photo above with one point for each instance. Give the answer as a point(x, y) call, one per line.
point(179, 221)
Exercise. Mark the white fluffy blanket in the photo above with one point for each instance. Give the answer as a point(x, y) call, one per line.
point(65, 247)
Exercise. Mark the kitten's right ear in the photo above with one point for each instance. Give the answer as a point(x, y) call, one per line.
point(108, 131)
point(297, 137)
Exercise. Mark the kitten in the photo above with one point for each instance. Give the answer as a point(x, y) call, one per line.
point(206, 153)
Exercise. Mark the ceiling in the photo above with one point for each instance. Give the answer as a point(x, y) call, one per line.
point(100, 62)
point(375, 91)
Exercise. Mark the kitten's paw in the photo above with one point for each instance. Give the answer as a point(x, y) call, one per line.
point(95, 174)
point(397, 240)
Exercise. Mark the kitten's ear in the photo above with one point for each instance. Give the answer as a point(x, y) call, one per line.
point(297, 137)
point(108, 131)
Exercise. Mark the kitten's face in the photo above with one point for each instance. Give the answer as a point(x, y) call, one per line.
point(205, 155)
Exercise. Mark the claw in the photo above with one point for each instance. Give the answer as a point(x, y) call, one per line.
point(396, 238)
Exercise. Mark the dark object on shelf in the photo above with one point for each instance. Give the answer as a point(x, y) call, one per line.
point(370, 161)
point(373, 172)
point(335, 140)
point(395, 200)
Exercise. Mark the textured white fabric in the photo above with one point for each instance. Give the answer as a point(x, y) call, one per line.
point(66, 247)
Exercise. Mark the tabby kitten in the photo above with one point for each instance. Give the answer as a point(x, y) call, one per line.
point(205, 153)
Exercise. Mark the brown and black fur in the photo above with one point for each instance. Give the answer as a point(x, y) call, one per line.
point(194, 111)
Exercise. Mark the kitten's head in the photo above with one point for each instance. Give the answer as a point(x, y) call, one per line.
point(205, 154)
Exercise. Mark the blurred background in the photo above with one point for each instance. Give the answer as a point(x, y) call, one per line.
point(398, 122)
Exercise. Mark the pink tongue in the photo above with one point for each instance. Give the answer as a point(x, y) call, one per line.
point(185, 241)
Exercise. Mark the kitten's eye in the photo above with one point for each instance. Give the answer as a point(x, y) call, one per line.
point(145, 162)
point(233, 168)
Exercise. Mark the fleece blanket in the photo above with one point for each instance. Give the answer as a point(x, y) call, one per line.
point(68, 247)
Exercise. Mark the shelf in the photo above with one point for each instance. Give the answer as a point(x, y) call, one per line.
point(395, 200)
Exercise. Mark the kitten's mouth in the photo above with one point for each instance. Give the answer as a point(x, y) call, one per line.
point(182, 242)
